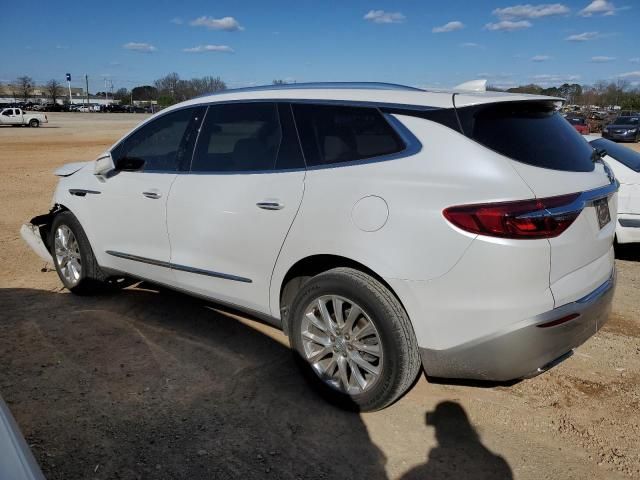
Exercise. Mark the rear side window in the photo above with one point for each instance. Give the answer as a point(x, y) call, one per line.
point(335, 134)
point(622, 154)
point(529, 132)
point(247, 137)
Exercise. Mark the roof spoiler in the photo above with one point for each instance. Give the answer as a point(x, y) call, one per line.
point(473, 86)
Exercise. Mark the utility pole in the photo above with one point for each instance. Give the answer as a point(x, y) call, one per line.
point(86, 79)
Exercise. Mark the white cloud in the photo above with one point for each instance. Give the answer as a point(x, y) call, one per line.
point(470, 45)
point(139, 47)
point(209, 48)
point(449, 27)
point(62, 47)
point(583, 37)
point(380, 16)
point(540, 58)
point(635, 74)
point(519, 12)
point(598, 7)
point(507, 26)
point(177, 21)
point(602, 59)
point(635, 60)
point(228, 24)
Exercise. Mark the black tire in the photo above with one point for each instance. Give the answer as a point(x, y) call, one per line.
point(34, 123)
point(398, 342)
point(92, 278)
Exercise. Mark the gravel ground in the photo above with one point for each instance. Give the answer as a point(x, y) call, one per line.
point(149, 383)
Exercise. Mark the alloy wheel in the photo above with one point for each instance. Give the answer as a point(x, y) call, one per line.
point(342, 344)
point(67, 253)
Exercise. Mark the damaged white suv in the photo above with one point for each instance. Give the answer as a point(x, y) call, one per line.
point(382, 227)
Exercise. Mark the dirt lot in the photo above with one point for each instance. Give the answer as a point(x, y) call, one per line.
point(155, 384)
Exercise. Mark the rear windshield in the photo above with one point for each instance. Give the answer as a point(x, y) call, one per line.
point(622, 154)
point(626, 121)
point(529, 132)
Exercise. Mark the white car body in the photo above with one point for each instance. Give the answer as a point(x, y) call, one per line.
point(628, 221)
point(17, 116)
point(476, 302)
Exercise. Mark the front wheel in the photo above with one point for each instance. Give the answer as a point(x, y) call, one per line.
point(353, 340)
point(73, 257)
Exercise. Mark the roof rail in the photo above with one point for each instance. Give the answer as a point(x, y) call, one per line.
point(321, 85)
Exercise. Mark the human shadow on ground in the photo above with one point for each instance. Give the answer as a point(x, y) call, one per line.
point(459, 454)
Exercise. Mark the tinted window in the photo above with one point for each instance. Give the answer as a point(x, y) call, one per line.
point(334, 134)
point(626, 121)
point(239, 137)
point(164, 143)
point(622, 154)
point(8, 113)
point(529, 132)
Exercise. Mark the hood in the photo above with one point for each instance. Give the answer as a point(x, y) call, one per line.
point(70, 168)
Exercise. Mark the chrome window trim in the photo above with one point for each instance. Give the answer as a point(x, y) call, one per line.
point(175, 266)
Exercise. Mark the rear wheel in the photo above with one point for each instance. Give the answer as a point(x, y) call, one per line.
point(34, 123)
point(353, 340)
point(73, 257)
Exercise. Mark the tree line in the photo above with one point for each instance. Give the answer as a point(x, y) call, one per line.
point(601, 94)
point(172, 89)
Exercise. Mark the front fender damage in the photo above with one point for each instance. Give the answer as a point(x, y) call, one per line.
point(37, 232)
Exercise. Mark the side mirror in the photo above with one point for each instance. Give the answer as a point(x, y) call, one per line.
point(104, 164)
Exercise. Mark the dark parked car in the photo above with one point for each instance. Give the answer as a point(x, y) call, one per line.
point(580, 124)
point(623, 129)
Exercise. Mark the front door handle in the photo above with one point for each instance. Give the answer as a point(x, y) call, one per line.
point(270, 205)
point(152, 194)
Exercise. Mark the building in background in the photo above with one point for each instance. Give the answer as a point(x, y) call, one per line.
point(11, 94)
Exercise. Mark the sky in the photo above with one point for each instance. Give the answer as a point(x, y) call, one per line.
point(422, 43)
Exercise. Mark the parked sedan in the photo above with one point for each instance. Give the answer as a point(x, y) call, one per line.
point(580, 124)
point(383, 228)
point(625, 164)
point(623, 129)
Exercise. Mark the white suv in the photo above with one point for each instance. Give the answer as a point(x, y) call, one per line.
point(382, 227)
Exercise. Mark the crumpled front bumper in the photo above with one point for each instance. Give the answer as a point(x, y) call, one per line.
point(527, 348)
point(30, 233)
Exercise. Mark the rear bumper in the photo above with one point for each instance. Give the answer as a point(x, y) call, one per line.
point(525, 349)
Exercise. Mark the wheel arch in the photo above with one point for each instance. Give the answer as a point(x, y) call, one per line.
point(310, 266)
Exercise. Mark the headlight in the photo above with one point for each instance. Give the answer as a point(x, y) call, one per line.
point(632, 130)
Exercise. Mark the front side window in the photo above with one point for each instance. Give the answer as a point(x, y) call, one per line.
point(239, 137)
point(8, 112)
point(335, 134)
point(164, 143)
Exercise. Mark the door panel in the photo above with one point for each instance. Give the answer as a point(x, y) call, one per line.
point(131, 216)
point(216, 225)
point(229, 217)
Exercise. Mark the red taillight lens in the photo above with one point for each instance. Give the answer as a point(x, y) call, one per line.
point(527, 219)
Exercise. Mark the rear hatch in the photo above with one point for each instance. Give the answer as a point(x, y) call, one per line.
point(554, 160)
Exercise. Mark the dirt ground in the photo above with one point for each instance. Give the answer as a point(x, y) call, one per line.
point(153, 384)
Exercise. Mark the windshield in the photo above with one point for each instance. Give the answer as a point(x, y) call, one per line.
point(622, 154)
point(626, 121)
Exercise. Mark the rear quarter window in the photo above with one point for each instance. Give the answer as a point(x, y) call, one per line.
point(335, 134)
point(529, 132)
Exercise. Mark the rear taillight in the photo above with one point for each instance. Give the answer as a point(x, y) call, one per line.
point(524, 219)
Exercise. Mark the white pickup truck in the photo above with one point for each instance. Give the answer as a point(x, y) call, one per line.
point(15, 116)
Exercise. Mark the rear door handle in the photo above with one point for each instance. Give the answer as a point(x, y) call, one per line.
point(152, 194)
point(270, 205)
